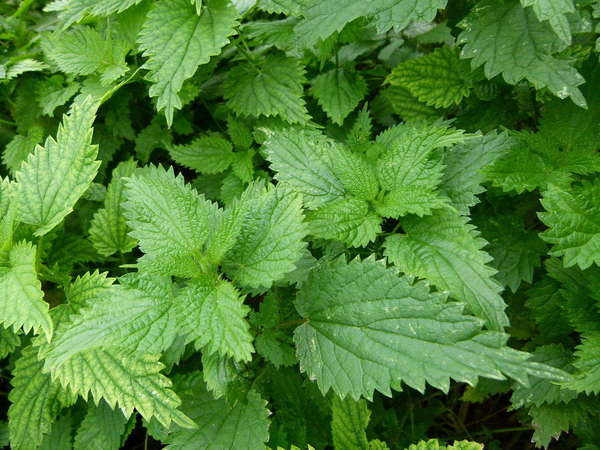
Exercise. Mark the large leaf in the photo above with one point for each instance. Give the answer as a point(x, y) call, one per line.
point(368, 329)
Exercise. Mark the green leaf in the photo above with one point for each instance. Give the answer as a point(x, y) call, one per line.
point(19, 148)
point(301, 159)
point(407, 105)
point(464, 163)
point(507, 39)
point(70, 11)
point(408, 168)
point(549, 421)
point(207, 154)
point(169, 219)
point(346, 219)
point(439, 78)
point(139, 314)
point(213, 315)
point(100, 429)
point(587, 362)
point(446, 250)
point(22, 304)
point(61, 435)
point(54, 177)
point(338, 91)
point(349, 423)
point(243, 424)
point(272, 87)
point(323, 18)
point(365, 322)
point(84, 51)
point(516, 251)
point(35, 402)
point(536, 161)
point(176, 40)
point(135, 382)
point(108, 231)
point(542, 392)
point(572, 216)
point(555, 12)
point(271, 239)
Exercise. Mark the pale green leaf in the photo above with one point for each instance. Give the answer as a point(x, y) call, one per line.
point(446, 249)
point(54, 177)
point(346, 219)
point(19, 148)
point(139, 313)
point(35, 402)
point(169, 219)
point(323, 18)
point(70, 11)
point(349, 423)
point(212, 313)
point(22, 304)
point(301, 159)
point(439, 78)
point(84, 51)
point(135, 383)
point(108, 230)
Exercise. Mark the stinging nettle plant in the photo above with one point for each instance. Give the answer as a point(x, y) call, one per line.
point(295, 224)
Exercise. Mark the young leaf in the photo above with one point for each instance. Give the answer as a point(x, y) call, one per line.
point(169, 219)
point(272, 87)
point(213, 315)
point(22, 304)
point(207, 154)
point(271, 239)
point(339, 91)
point(108, 231)
point(135, 383)
point(364, 321)
point(439, 78)
point(54, 177)
point(446, 250)
point(84, 51)
point(301, 159)
point(349, 423)
point(176, 40)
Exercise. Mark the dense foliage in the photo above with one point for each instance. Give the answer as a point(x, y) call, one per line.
point(349, 224)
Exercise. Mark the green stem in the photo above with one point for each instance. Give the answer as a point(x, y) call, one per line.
point(23, 8)
point(8, 122)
